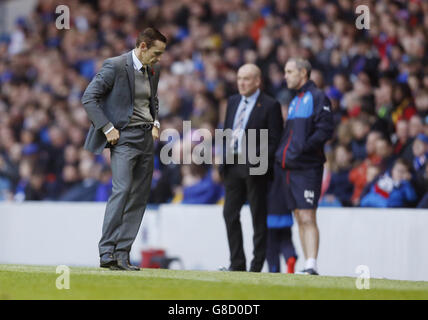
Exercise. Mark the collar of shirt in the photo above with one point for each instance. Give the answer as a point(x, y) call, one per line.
point(136, 61)
point(251, 99)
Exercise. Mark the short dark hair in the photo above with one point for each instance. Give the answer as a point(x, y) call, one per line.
point(404, 162)
point(149, 35)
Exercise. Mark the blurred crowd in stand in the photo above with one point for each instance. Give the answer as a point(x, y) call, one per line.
point(377, 80)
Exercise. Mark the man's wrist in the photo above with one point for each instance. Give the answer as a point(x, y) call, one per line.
point(108, 128)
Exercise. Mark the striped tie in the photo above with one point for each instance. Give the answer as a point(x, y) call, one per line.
point(239, 127)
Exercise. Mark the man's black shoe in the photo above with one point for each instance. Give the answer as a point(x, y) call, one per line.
point(123, 264)
point(256, 267)
point(311, 272)
point(107, 261)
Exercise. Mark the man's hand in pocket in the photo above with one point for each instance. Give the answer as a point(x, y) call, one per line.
point(113, 137)
point(155, 133)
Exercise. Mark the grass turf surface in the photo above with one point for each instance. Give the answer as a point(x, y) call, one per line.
point(39, 282)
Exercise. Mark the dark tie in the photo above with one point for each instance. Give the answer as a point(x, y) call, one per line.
point(143, 70)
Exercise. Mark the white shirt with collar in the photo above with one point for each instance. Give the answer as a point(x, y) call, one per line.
point(137, 63)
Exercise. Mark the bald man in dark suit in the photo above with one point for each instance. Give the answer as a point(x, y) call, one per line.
point(250, 109)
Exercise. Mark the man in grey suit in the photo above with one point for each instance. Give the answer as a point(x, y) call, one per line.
point(122, 105)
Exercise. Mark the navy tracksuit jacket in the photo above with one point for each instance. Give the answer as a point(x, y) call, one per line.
point(309, 125)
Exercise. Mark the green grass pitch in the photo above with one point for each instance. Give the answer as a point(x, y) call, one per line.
point(39, 282)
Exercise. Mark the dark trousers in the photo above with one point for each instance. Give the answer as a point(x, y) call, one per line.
point(279, 242)
point(240, 187)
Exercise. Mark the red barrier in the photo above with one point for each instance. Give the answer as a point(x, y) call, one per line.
point(148, 255)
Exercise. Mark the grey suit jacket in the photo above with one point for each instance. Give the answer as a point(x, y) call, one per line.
point(109, 97)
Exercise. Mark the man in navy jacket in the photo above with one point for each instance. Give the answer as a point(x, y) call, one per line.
point(300, 156)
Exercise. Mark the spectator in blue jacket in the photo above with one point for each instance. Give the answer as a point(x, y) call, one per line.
point(340, 187)
point(420, 152)
point(85, 190)
point(105, 185)
point(199, 186)
point(392, 189)
point(360, 130)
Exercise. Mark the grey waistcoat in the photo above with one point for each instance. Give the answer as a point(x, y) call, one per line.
point(141, 100)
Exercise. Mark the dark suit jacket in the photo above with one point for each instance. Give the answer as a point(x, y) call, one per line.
point(109, 97)
point(266, 114)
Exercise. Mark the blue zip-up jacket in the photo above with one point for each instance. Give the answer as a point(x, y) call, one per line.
point(309, 125)
point(401, 196)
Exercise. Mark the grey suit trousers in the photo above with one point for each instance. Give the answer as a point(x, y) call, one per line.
point(132, 164)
